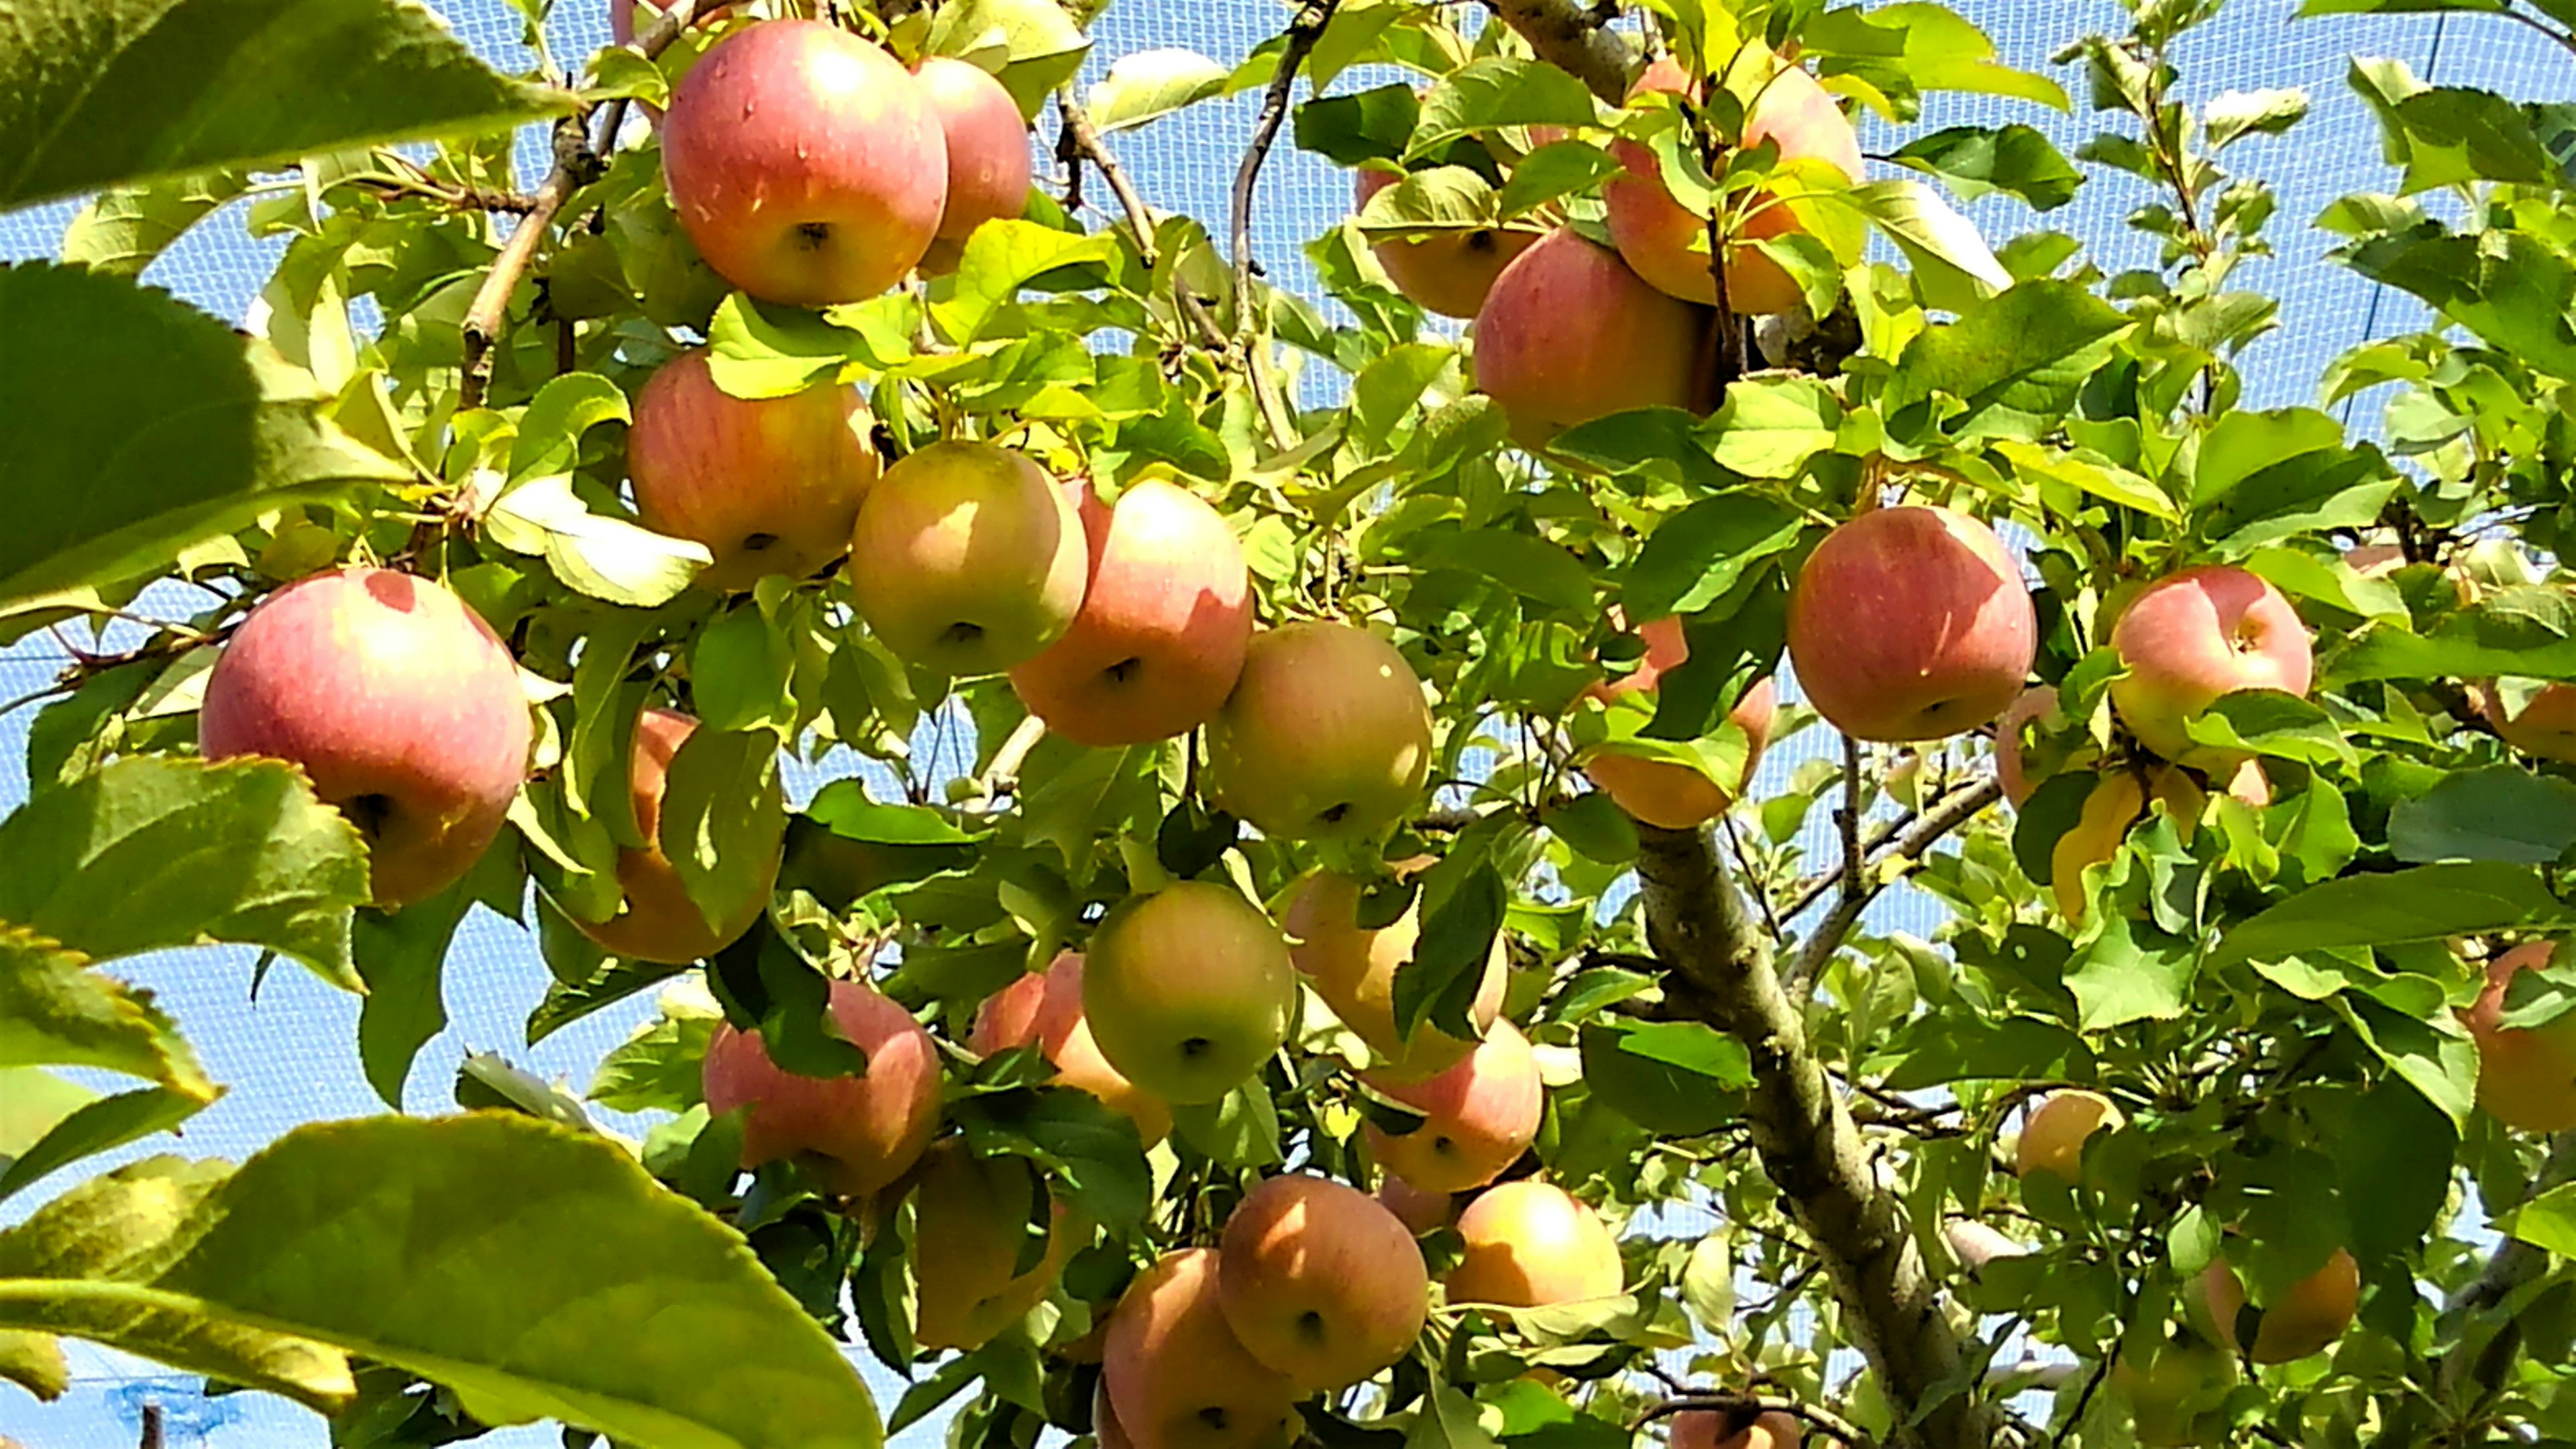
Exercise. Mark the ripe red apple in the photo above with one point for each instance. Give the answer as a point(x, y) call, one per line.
point(1419, 1209)
point(1659, 792)
point(1326, 736)
point(1188, 990)
point(1530, 1244)
point(2545, 726)
point(1176, 1375)
point(1449, 273)
point(2053, 1138)
point(970, 1214)
point(859, 1133)
point(769, 485)
point(988, 152)
point(1166, 617)
point(1568, 334)
point(2526, 1075)
point(399, 702)
point(1045, 1007)
point(1320, 1282)
point(2310, 1316)
point(967, 558)
point(1478, 1117)
point(2192, 637)
point(1709, 1429)
point(1911, 624)
point(658, 921)
point(805, 163)
point(1353, 970)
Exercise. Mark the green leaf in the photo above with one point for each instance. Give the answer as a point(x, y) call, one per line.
point(2017, 361)
point(2271, 722)
point(1529, 566)
point(1042, 44)
point(2424, 903)
point(1913, 46)
point(124, 228)
point(2499, 813)
point(1239, 1129)
point(659, 1069)
point(1698, 555)
point(1386, 390)
point(1151, 84)
point(1975, 161)
point(1498, 90)
point(2233, 115)
point(723, 818)
point(756, 350)
point(606, 558)
point(97, 93)
point(56, 1011)
point(2117, 980)
point(1080, 1140)
point(1447, 1420)
point(1953, 267)
point(33, 1102)
point(1768, 427)
point(109, 1122)
point(142, 426)
point(1555, 170)
point(844, 807)
point(2547, 1221)
point(403, 957)
point(506, 1258)
point(1369, 125)
point(1463, 901)
point(1000, 258)
point(740, 668)
point(550, 430)
point(2088, 472)
point(1677, 1078)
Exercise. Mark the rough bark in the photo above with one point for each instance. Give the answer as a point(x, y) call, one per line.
point(1573, 38)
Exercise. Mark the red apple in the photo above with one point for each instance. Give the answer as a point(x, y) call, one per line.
point(2034, 704)
point(1478, 1117)
point(1530, 1244)
point(1325, 737)
point(1175, 1374)
point(1165, 620)
point(1188, 989)
point(2526, 1075)
point(2193, 637)
point(658, 921)
point(967, 558)
point(2311, 1315)
point(860, 1133)
point(1353, 970)
point(1320, 1282)
point(1448, 273)
point(805, 163)
point(2545, 726)
point(399, 702)
point(1419, 1209)
point(970, 1215)
point(1045, 1007)
point(988, 152)
point(1569, 334)
point(1911, 624)
point(1659, 792)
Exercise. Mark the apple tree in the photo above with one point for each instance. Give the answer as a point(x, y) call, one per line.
point(1367, 988)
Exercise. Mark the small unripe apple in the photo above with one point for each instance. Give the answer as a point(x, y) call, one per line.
point(1320, 1282)
point(658, 921)
point(1911, 624)
point(857, 1133)
point(1188, 990)
point(1326, 736)
point(1530, 1244)
point(2174, 1389)
point(967, 558)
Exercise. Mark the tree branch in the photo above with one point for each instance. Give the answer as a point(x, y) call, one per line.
point(1250, 334)
point(1086, 142)
point(1572, 38)
point(2513, 1264)
point(1859, 888)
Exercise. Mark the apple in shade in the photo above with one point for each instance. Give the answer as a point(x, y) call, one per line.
point(2190, 638)
point(805, 163)
point(971, 1214)
point(2526, 1075)
point(1529, 1244)
point(769, 485)
point(1188, 989)
point(402, 706)
point(1478, 1117)
point(1419, 1209)
point(1177, 1376)
point(2053, 1138)
point(2545, 726)
point(1320, 1282)
point(1354, 969)
point(1911, 624)
point(1668, 244)
point(1568, 334)
point(1713, 1429)
point(1660, 792)
point(1105, 1427)
point(2174, 1388)
point(1325, 737)
point(968, 559)
point(658, 921)
point(1045, 1007)
point(857, 1133)
point(1447, 272)
point(988, 152)
point(1166, 617)
point(2012, 736)
point(2311, 1315)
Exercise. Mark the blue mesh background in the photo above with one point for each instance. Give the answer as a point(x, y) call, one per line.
point(288, 1055)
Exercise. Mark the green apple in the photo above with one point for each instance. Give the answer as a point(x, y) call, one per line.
point(967, 558)
point(1188, 990)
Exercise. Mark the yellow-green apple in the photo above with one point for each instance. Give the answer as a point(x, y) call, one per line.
point(2174, 1388)
point(2053, 1138)
point(1668, 244)
point(1353, 970)
point(2312, 1314)
point(1177, 1376)
point(1188, 989)
point(1568, 334)
point(658, 921)
point(2545, 726)
point(971, 1214)
point(2189, 639)
point(967, 558)
point(1478, 1117)
point(1325, 737)
point(2101, 826)
point(1911, 624)
point(1320, 1282)
point(1712, 1429)
point(1166, 617)
point(1447, 272)
point(2526, 1075)
point(1418, 1208)
point(988, 152)
point(1530, 1244)
point(1045, 1007)
point(769, 485)
point(805, 163)
point(857, 1133)
point(1660, 792)
point(399, 702)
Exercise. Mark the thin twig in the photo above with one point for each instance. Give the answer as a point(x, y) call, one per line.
point(1002, 776)
point(1250, 333)
point(1954, 810)
point(1085, 140)
point(460, 197)
point(151, 1427)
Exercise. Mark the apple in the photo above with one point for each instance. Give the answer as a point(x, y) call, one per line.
point(1530, 1244)
point(805, 163)
point(769, 485)
point(2192, 637)
point(1659, 792)
point(1176, 1375)
point(1451, 272)
point(658, 921)
point(2526, 1075)
point(1325, 737)
point(1353, 970)
point(859, 1133)
point(2311, 1315)
point(2012, 736)
point(2545, 726)
point(967, 558)
point(1911, 624)
point(2174, 1389)
point(1320, 1282)
point(2052, 1139)
point(970, 1216)
point(1105, 1427)
point(1668, 244)
point(1419, 1209)
point(1166, 618)
point(1188, 989)
point(987, 141)
point(1711, 1429)
point(2100, 828)
point(1569, 334)
point(400, 704)
point(1478, 1117)
point(1045, 1007)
